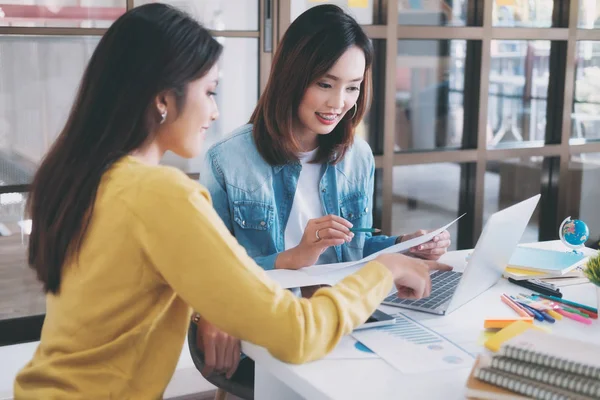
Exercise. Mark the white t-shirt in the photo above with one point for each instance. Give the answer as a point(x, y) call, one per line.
point(307, 203)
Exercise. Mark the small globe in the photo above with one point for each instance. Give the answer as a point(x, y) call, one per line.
point(574, 233)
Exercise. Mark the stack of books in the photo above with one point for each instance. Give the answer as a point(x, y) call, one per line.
point(561, 268)
point(540, 366)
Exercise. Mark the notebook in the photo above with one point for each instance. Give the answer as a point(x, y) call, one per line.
point(522, 386)
point(560, 353)
point(550, 262)
point(478, 389)
point(563, 380)
point(520, 274)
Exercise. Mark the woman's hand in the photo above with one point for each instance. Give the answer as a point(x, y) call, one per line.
point(411, 275)
point(319, 234)
point(221, 351)
point(431, 250)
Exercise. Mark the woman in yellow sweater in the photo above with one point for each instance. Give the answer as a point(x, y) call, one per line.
point(125, 247)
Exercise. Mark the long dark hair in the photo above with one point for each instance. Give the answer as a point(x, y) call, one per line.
point(309, 48)
point(147, 51)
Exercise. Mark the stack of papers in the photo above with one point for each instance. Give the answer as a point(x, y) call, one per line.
point(330, 274)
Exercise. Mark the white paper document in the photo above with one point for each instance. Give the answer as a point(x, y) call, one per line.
point(349, 348)
point(412, 348)
point(330, 274)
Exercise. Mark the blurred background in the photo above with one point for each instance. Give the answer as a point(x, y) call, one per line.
point(477, 104)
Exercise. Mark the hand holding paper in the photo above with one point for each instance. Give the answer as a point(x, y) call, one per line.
point(431, 250)
point(330, 274)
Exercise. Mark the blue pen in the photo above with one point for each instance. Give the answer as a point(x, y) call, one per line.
point(548, 317)
point(536, 314)
point(543, 313)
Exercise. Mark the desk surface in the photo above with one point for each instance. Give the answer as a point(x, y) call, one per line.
point(375, 379)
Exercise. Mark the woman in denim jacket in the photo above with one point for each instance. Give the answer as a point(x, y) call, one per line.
point(291, 183)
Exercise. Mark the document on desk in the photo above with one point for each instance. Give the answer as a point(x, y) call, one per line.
point(330, 274)
point(412, 348)
point(350, 349)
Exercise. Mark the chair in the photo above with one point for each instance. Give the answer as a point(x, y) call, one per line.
point(223, 384)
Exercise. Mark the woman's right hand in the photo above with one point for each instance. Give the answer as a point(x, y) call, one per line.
point(411, 275)
point(319, 234)
point(221, 351)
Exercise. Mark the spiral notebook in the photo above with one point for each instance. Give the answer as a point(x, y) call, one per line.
point(578, 384)
point(520, 385)
point(556, 352)
point(478, 389)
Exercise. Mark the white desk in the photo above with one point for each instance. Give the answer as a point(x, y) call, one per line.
point(375, 379)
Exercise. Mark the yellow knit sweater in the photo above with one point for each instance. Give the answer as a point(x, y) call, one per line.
point(155, 248)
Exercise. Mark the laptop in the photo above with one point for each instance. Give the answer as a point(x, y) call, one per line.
point(498, 241)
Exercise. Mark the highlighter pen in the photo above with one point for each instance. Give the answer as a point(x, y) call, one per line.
point(575, 317)
point(519, 310)
point(554, 314)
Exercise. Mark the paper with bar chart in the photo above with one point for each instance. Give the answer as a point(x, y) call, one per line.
point(413, 348)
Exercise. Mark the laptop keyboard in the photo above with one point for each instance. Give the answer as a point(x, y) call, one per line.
point(443, 285)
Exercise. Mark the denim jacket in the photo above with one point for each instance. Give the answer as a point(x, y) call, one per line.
point(254, 199)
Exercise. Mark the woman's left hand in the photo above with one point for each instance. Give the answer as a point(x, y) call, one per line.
point(431, 250)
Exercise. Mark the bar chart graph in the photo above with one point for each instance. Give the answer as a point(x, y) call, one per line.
point(413, 348)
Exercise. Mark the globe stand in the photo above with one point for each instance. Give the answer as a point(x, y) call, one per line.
point(579, 237)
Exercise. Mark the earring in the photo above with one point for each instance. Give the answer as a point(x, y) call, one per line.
point(354, 114)
point(163, 117)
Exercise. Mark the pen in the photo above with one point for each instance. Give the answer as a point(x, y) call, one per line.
point(367, 230)
point(506, 300)
point(548, 317)
point(554, 314)
point(575, 317)
point(550, 286)
point(532, 286)
point(536, 314)
point(547, 310)
point(566, 308)
point(575, 311)
point(570, 303)
point(542, 311)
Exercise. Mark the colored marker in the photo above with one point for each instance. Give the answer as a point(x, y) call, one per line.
point(570, 303)
point(575, 317)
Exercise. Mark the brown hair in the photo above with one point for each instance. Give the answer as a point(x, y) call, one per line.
point(148, 50)
point(309, 48)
